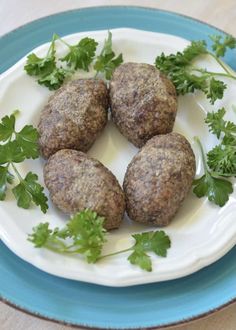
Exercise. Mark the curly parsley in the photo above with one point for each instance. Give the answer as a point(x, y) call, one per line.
point(187, 77)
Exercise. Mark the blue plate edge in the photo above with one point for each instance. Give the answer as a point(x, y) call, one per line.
point(85, 326)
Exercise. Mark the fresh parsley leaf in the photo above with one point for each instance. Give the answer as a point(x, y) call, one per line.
point(7, 127)
point(85, 229)
point(215, 121)
point(222, 159)
point(157, 242)
point(80, 56)
point(217, 190)
point(27, 139)
point(36, 66)
point(216, 90)
point(24, 145)
point(220, 44)
point(141, 259)
point(11, 153)
point(217, 125)
point(107, 61)
point(22, 195)
point(195, 49)
point(40, 235)
point(36, 191)
point(54, 79)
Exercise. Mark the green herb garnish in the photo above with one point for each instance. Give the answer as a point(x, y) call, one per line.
point(107, 61)
point(210, 185)
point(187, 77)
point(15, 147)
point(87, 236)
point(50, 72)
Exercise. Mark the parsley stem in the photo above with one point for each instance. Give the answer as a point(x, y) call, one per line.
point(220, 62)
point(17, 172)
point(61, 40)
point(115, 253)
point(210, 73)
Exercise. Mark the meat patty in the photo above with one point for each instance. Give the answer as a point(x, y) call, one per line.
point(76, 182)
point(158, 179)
point(143, 102)
point(73, 117)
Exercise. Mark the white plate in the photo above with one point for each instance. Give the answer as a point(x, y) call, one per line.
point(201, 232)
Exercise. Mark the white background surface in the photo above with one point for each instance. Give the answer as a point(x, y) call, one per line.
point(14, 13)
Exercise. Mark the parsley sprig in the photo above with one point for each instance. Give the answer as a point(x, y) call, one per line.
point(210, 184)
point(46, 69)
point(222, 158)
point(84, 234)
point(187, 77)
point(15, 147)
point(107, 61)
point(52, 71)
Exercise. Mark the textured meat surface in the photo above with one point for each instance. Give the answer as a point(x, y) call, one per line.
point(76, 182)
point(158, 179)
point(143, 102)
point(73, 117)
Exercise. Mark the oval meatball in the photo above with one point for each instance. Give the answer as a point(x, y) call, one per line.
point(76, 182)
point(143, 102)
point(73, 117)
point(158, 179)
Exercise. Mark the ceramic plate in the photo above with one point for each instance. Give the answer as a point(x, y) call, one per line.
point(73, 301)
point(198, 222)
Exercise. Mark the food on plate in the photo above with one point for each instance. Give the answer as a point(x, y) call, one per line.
point(143, 102)
point(158, 179)
point(77, 182)
point(73, 117)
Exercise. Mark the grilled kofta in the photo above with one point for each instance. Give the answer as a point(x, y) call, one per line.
point(76, 182)
point(158, 179)
point(73, 117)
point(143, 102)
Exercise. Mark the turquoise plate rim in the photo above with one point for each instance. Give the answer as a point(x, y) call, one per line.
point(13, 262)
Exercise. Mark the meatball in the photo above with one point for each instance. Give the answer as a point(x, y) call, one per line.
point(158, 179)
point(143, 102)
point(76, 181)
point(73, 117)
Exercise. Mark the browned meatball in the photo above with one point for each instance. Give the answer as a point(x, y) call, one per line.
point(158, 179)
point(76, 182)
point(74, 116)
point(143, 102)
